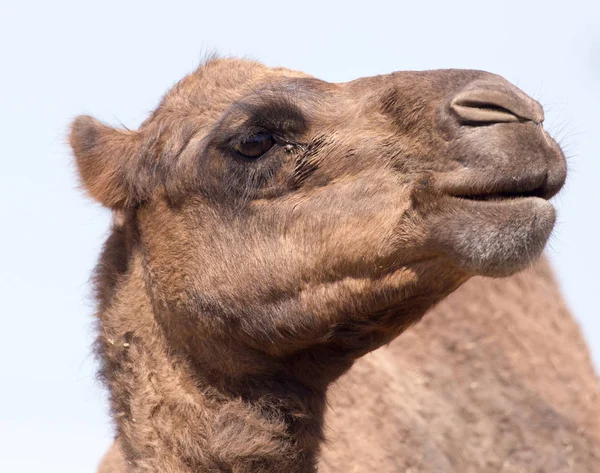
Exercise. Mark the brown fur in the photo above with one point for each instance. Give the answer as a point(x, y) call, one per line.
point(510, 388)
point(233, 291)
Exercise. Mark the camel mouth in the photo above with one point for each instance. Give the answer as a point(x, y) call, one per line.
point(518, 187)
point(495, 228)
point(495, 197)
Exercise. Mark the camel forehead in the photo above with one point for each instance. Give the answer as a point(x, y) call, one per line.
point(225, 80)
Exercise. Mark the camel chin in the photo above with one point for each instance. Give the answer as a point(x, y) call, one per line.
point(496, 238)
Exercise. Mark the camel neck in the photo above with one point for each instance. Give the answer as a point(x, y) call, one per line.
point(173, 414)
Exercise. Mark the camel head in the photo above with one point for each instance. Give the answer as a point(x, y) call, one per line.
point(272, 210)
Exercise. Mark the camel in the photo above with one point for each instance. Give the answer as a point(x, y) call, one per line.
point(270, 229)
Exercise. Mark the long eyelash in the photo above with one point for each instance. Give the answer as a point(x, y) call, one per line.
point(308, 160)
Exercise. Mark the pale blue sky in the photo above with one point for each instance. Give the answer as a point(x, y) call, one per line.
point(114, 59)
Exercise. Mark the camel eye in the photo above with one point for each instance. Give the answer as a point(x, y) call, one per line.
point(256, 146)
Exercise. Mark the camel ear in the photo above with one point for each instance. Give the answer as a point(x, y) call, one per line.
point(109, 162)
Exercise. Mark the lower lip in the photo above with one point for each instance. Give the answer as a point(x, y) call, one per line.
point(494, 199)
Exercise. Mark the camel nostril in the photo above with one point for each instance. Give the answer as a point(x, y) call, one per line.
point(485, 106)
point(474, 111)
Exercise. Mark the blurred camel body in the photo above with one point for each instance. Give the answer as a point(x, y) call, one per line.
point(510, 388)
